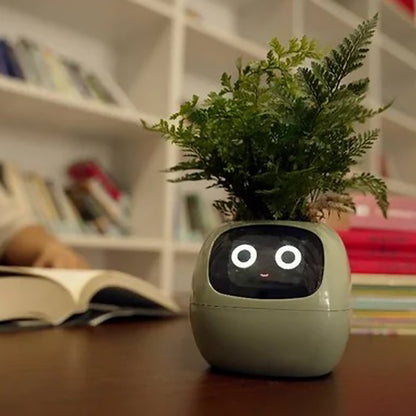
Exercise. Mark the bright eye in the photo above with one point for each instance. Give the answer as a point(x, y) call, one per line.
point(294, 258)
point(244, 256)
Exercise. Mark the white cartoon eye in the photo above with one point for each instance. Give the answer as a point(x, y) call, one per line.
point(244, 256)
point(288, 265)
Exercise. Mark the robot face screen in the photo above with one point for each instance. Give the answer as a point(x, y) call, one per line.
point(267, 262)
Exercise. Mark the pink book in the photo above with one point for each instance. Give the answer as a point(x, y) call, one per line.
point(379, 240)
point(401, 214)
point(370, 266)
point(382, 254)
point(90, 169)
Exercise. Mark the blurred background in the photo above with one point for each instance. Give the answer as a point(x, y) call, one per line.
point(77, 77)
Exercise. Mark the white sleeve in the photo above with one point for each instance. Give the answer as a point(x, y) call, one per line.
point(13, 218)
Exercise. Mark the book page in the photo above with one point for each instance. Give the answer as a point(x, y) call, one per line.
point(28, 297)
point(72, 280)
point(117, 288)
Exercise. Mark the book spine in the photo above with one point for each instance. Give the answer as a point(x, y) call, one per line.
point(194, 216)
point(391, 255)
point(113, 208)
point(90, 211)
point(4, 68)
point(15, 69)
point(81, 171)
point(181, 223)
point(369, 266)
point(378, 303)
point(27, 63)
point(69, 222)
point(42, 69)
point(60, 78)
point(74, 72)
point(98, 89)
point(14, 181)
point(401, 215)
point(379, 240)
point(37, 208)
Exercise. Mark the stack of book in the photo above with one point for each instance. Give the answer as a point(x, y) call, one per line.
point(91, 203)
point(99, 199)
point(38, 65)
point(382, 255)
point(383, 304)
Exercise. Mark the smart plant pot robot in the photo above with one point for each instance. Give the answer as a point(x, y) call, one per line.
point(272, 299)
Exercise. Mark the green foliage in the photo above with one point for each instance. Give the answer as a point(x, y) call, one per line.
point(281, 139)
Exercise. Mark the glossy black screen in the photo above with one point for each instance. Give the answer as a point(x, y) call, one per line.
point(267, 262)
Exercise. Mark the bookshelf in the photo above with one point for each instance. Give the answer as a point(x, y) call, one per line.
point(153, 54)
point(70, 114)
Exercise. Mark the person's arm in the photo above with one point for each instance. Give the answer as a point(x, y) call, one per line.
point(34, 246)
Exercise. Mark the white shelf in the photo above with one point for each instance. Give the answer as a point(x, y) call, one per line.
point(357, 7)
point(396, 24)
point(110, 20)
point(208, 54)
point(398, 51)
point(400, 187)
point(398, 80)
point(397, 38)
point(240, 45)
point(244, 19)
point(113, 243)
point(185, 248)
point(336, 11)
point(400, 119)
point(30, 105)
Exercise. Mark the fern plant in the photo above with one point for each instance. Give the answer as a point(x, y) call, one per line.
point(281, 138)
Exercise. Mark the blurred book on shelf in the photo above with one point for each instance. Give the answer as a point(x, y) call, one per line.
point(407, 6)
point(401, 213)
point(195, 217)
point(383, 304)
point(39, 65)
point(91, 169)
point(80, 205)
point(9, 64)
point(100, 200)
point(384, 252)
point(382, 257)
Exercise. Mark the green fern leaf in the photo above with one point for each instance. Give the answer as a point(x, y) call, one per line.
point(368, 183)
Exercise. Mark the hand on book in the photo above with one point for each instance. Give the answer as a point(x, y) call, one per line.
point(34, 246)
point(56, 255)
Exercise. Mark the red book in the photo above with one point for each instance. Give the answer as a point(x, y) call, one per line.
point(381, 240)
point(381, 255)
point(371, 266)
point(407, 5)
point(81, 171)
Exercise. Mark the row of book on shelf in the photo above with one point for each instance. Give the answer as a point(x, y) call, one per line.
point(36, 64)
point(382, 256)
point(89, 202)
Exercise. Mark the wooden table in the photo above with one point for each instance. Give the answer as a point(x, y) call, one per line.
point(152, 368)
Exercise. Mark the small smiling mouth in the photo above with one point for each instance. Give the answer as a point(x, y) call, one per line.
point(264, 275)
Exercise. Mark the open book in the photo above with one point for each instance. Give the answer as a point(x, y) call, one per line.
point(32, 296)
